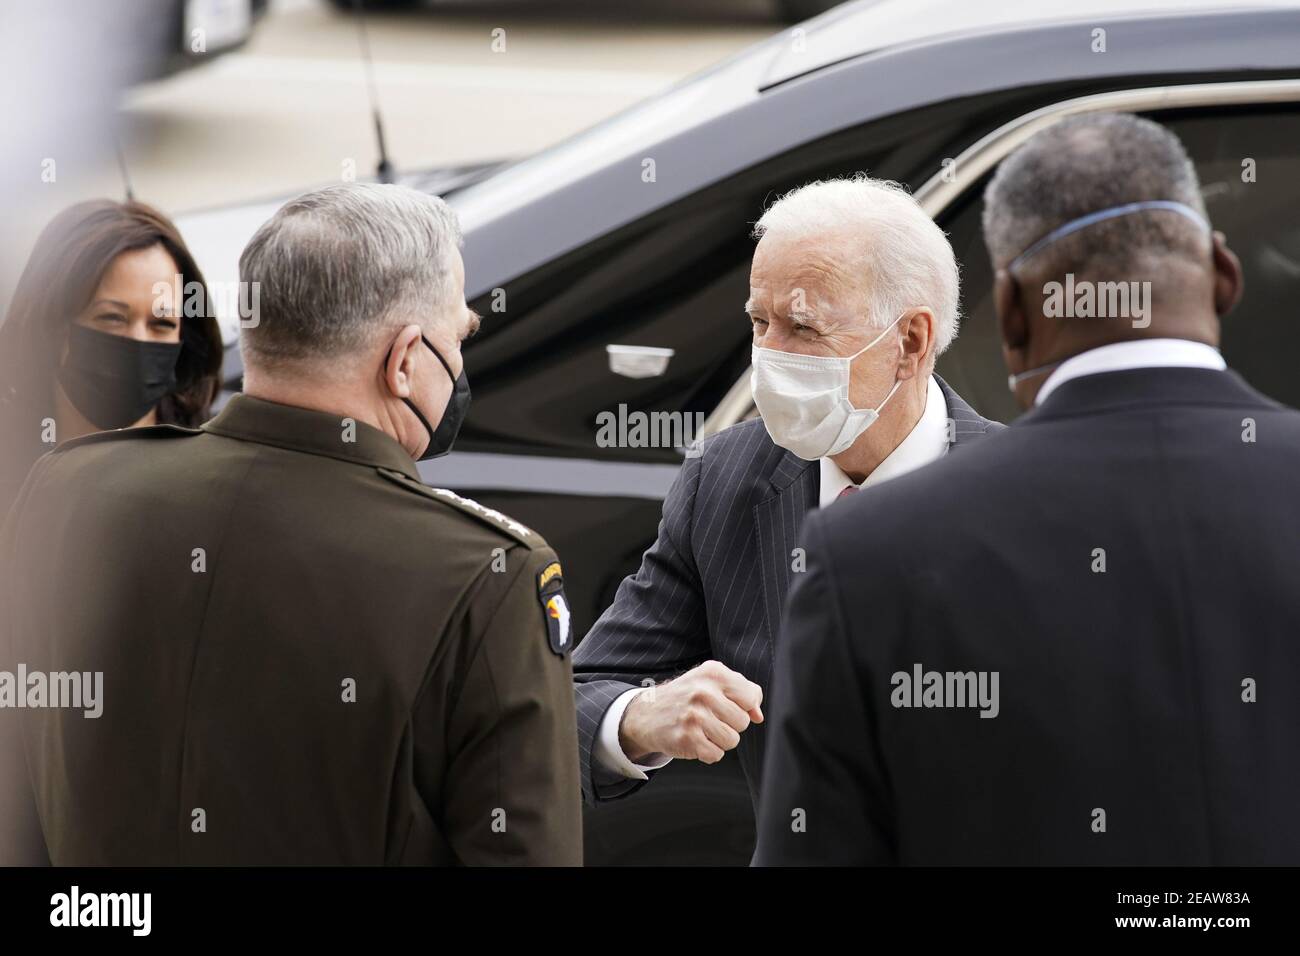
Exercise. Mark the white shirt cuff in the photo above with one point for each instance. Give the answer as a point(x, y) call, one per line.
point(609, 752)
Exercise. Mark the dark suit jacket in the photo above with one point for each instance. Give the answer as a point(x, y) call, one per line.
point(333, 662)
point(714, 584)
point(1123, 692)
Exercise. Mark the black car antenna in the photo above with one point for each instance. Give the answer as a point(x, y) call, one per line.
point(121, 165)
point(385, 169)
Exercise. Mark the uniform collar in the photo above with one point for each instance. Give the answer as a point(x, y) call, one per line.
point(309, 431)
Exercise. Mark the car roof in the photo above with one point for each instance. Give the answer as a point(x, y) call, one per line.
point(855, 29)
point(860, 62)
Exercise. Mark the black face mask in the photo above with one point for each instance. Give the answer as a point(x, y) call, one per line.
point(441, 438)
point(114, 381)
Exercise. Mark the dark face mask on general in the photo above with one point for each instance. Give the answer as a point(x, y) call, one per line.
point(113, 380)
point(442, 437)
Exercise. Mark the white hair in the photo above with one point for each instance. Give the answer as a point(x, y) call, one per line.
point(905, 262)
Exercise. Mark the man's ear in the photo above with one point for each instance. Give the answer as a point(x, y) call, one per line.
point(400, 362)
point(918, 341)
point(1013, 324)
point(1228, 280)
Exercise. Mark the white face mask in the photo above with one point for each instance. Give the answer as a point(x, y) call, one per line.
point(804, 400)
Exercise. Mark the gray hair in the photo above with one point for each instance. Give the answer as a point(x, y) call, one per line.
point(905, 260)
point(1084, 164)
point(339, 266)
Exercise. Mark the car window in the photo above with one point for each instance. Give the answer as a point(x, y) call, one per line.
point(676, 279)
point(541, 374)
point(1248, 161)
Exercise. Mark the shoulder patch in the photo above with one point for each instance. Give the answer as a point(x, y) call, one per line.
point(120, 434)
point(555, 607)
point(488, 516)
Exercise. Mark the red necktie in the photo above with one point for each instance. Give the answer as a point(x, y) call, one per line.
point(848, 490)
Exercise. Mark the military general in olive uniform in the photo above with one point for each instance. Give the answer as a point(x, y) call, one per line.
point(304, 654)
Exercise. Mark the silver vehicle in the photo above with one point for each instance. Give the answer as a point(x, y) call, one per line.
point(635, 234)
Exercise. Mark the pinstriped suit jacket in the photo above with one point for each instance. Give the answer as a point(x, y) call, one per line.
point(714, 583)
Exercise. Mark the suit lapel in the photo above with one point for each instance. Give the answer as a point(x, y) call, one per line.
point(967, 424)
point(778, 519)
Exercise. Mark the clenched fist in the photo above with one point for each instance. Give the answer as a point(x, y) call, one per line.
point(698, 716)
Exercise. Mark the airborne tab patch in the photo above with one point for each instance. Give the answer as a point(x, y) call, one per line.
point(555, 608)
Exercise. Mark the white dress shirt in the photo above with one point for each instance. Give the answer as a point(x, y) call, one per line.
point(1143, 353)
point(926, 442)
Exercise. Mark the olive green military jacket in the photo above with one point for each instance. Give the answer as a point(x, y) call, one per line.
point(304, 656)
